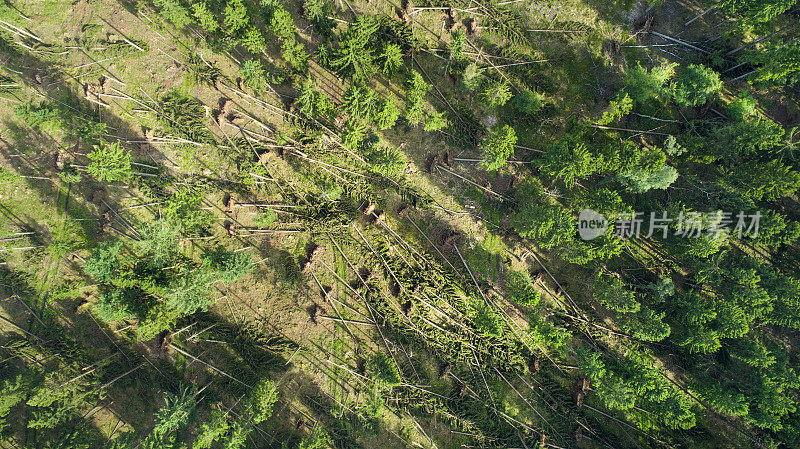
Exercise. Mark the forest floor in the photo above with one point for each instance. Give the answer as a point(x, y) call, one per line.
point(138, 58)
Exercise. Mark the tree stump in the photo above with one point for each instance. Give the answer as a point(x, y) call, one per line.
point(450, 19)
point(105, 84)
point(403, 209)
point(472, 26)
point(430, 163)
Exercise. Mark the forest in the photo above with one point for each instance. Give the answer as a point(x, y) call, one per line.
point(434, 224)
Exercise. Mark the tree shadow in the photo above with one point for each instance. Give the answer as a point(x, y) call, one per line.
point(77, 337)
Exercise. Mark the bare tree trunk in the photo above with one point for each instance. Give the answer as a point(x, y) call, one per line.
point(700, 15)
point(677, 41)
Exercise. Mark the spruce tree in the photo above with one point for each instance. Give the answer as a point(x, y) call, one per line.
point(498, 146)
point(695, 85)
point(110, 162)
